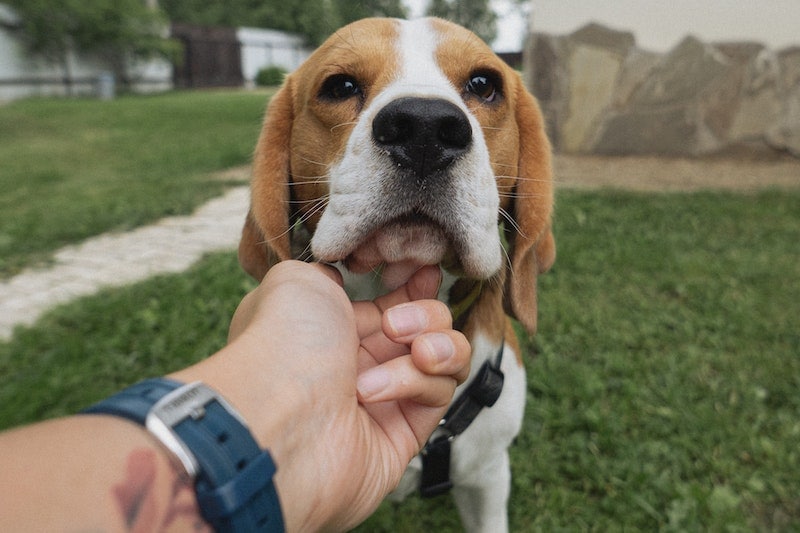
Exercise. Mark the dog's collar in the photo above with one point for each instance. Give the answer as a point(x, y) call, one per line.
point(483, 391)
point(459, 308)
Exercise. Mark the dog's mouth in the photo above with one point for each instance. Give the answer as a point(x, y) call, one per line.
point(400, 248)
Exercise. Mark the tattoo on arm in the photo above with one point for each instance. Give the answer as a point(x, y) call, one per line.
point(145, 506)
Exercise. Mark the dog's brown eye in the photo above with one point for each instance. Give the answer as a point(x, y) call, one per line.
point(340, 87)
point(483, 86)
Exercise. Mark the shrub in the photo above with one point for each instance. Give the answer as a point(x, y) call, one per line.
point(270, 76)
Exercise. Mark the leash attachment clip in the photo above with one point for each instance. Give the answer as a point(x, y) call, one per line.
point(436, 467)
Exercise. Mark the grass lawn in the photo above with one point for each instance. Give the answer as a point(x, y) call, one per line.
point(664, 385)
point(73, 168)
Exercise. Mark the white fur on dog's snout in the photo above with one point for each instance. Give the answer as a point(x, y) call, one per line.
point(365, 199)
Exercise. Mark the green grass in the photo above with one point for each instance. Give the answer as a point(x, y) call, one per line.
point(73, 168)
point(91, 347)
point(664, 385)
point(666, 393)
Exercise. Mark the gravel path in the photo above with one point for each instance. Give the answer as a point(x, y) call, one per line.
point(113, 259)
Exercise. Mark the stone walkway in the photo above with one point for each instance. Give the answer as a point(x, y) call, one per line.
point(113, 259)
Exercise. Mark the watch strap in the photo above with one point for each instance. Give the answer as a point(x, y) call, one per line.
point(232, 475)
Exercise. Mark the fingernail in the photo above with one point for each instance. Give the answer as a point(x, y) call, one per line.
point(406, 319)
point(440, 345)
point(372, 382)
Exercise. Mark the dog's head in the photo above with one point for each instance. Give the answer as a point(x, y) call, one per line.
point(399, 144)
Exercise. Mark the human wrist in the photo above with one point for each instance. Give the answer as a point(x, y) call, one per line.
point(231, 474)
point(243, 373)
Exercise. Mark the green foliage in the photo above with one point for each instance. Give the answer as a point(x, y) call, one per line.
point(270, 76)
point(311, 18)
point(476, 15)
point(349, 11)
point(662, 385)
point(113, 29)
point(314, 19)
point(75, 168)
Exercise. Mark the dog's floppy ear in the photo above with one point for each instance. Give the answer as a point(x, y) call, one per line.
point(532, 248)
point(265, 236)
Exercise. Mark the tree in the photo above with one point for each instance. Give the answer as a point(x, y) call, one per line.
point(116, 30)
point(310, 18)
point(477, 15)
point(349, 11)
point(314, 19)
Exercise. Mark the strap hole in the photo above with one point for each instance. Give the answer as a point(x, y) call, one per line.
point(241, 464)
point(222, 438)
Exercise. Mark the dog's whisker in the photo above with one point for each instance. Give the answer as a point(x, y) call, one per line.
point(343, 124)
point(509, 262)
point(523, 178)
point(523, 196)
point(306, 180)
point(307, 215)
point(306, 254)
point(311, 201)
point(492, 128)
point(308, 159)
point(513, 223)
point(322, 203)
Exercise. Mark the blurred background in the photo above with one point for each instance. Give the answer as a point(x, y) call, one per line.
point(663, 381)
point(668, 78)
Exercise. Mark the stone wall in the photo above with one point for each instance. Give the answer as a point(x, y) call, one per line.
point(602, 94)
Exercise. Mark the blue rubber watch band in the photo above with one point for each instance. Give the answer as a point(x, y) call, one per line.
point(232, 475)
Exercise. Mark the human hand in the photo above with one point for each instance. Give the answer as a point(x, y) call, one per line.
point(343, 394)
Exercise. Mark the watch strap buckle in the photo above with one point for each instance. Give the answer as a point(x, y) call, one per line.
point(187, 401)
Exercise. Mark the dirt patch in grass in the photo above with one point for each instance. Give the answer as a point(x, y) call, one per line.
point(654, 174)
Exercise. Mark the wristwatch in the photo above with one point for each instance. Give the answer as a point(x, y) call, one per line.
point(232, 476)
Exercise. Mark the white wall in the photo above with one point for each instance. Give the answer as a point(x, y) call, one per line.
point(265, 48)
point(23, 75)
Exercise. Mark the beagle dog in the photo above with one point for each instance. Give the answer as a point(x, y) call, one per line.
point(399, 144)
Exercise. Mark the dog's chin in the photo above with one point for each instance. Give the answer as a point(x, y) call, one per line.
point(398, 250)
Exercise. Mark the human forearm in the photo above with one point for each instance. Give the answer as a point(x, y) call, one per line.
point(342, 395)
point(91, 473)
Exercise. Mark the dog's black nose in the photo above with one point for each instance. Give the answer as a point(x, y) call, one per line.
point(424, 135)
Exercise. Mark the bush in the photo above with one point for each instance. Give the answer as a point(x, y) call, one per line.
point(270, 76)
